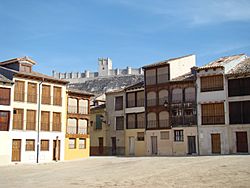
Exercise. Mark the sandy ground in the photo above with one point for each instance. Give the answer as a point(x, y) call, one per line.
point(212, 171)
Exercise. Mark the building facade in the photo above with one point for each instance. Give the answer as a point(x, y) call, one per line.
point(165, 106)
point(77, 138)
point(37, 130)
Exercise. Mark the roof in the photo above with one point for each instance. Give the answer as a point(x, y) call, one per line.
point(219, 63)
point(185, 77)
point(242, 68)
point(25, 58)
point(102, 106)
point(135, 86)
point(165, 62)
point(4, 79)
point(35, 74)
point(77, 91)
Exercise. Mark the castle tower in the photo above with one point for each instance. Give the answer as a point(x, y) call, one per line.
point(105, 65)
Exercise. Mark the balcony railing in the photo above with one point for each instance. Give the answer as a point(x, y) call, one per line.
point(30, 125)
point(32, 98)
point(162, 101)
point(18, 124)
point(19, 96)
point(177, 120)
point(71, 129)
point(45, 126)
point(4, 100)
point(151, 102)
point(56, 127)
point(164, 123)
point(212, 120)
point(190, 120)
point(140, 124)
point(152, 124)
point(57, 101)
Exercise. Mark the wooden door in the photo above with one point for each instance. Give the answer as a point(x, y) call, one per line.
point(241, 142)
point(191, 145)
point(100, 145)
point(216, 144)
point(16, 150)
point(131, 145)
point(154, 145)
point(113, 139)
point(56, 150)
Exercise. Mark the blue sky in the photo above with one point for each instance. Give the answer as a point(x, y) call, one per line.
point(70, 35)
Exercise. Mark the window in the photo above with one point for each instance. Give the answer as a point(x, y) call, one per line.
point(150, 77)
point(140, 98)
point(44, 145)
point(162, 75)
point(18, 119)
point(98, 121)
point(56, 121)
point(239, 112)
point(72, 105)
point(82, 126)
point(46, 97)
point(72, 143)
point(238, 87)
point(30, 145)
point(140, 120)
point(4, 120)
point(190, 94)
point(131, 121)
point(213, 114)
point(212, 83)
point(164, 119)
point(31, 120)
point(151, 120)
point(140, 136)
point(163, 96)
point(119, 103)
point(4, 96)
point(19, 91)
point(45, 121)
point(164, 135)
point(120, 123)
point(57, 96)
point(82, 143)
point(131, 100)
point(83, 106)
point(177, 95)
point(71, 126)
point(178, 136)
point(32, 93)
point(151, 98)
point(25, 68)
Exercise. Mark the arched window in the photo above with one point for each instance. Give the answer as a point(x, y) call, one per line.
point(177, 95)
point(164, 119)
point(190, 94)
point(151, 98)
point(151, 120)
point(163, 96)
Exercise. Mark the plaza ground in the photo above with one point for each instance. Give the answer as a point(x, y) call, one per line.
point(204, 171)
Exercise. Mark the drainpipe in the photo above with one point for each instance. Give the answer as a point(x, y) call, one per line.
point(38, 121)
point(196, 104)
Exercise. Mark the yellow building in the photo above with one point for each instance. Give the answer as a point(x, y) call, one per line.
point(77, 142)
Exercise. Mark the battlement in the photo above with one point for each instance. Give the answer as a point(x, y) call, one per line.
point(104, 70)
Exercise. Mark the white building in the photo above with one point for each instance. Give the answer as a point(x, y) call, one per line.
point(39, 103)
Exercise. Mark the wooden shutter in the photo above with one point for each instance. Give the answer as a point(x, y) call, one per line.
point(140, 98)
point(32, 93)
point(18, 119)
point(44, 145)
point(57, 96)
point(45, 121)
point(98, 122)
point(131, 99)
point(4, 96)
point(19, 91)
point(46, 94)
point(31, 120)
point(56, 121)
point(4, 120)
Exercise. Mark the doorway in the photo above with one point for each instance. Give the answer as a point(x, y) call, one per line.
point(56, 150)
point(131, 145)
point(191, 145)
point(16, 150)
point(154, 145)
point(216, 144)
point(241, 142)
point(113, 139)
point(100, 148)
